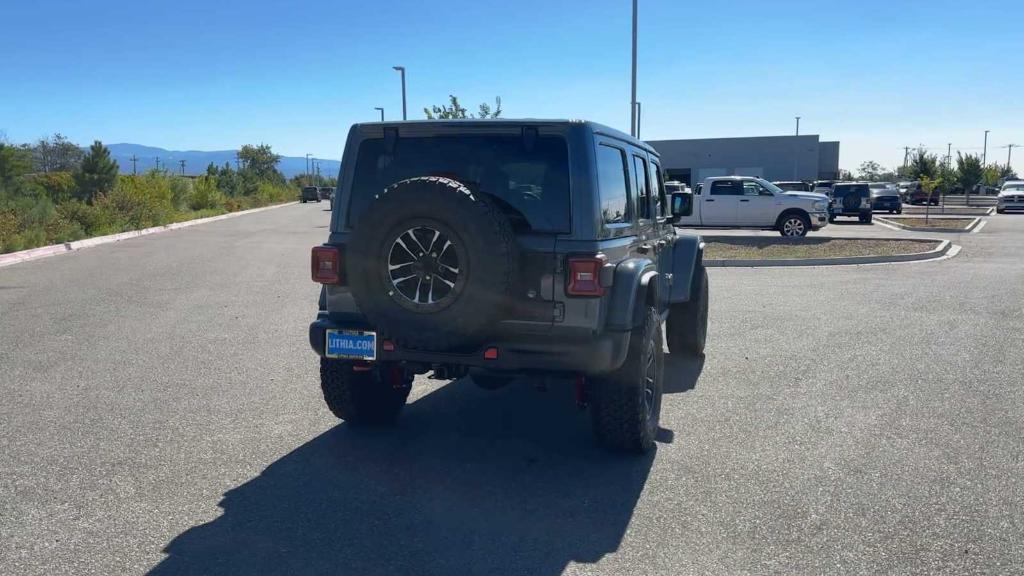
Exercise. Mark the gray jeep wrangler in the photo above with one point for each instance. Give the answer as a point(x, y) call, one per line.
point(500, 248)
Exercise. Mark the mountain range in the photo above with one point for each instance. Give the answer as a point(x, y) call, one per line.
point(196, 161)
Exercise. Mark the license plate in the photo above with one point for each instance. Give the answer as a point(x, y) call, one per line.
point(351, 344)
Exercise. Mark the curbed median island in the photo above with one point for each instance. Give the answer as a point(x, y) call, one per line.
point(932, 223)
point(764, 251)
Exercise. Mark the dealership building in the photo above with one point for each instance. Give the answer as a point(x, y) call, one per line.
point(773, 158)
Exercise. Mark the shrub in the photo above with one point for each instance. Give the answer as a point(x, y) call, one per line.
point(205, 194)
point(59, 186)
point(181, 193)
point(143, 201)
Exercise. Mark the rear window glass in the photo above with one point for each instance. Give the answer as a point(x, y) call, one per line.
point(793, 186)
point(845, 189)
point(534, 180)
point(613, 179)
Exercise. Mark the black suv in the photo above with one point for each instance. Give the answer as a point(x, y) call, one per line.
point(850, 199)
point(500, 248)
point(309, 194)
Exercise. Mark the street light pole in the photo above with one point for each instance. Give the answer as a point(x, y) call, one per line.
point(401, 70)
point(949, 155)
point(638, 120)
point(381, 112)
point(984, 151)
point(307, 167)
point(797, 125)
point(632, 107)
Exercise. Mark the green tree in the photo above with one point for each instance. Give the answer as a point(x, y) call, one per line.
point(1007, 173)
point(870, 170)
point(992, 174)
point(15, 161)
point(260, 161)
point(923, 165)
point(928, 186)
point(454, 110)
point(969, 171)
point(56, 154)
point(97, 174)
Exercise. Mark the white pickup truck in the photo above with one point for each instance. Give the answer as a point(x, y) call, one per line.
point(746, 202)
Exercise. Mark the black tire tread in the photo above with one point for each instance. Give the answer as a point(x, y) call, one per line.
point(361, 398)
point(617, 405)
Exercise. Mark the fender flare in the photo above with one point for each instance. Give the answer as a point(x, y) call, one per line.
point(631, 289)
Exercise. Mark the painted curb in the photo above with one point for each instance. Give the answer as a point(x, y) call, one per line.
point(44, 251)
point(893, 223)
point(938, 252)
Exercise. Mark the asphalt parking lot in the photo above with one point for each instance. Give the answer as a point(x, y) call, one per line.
point(161, 413)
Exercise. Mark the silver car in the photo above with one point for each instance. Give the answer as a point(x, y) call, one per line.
point(1011, 196)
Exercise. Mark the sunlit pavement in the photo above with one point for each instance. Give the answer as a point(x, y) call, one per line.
point(161, 411)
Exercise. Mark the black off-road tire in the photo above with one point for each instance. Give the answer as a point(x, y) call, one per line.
point(363, 398)
point(866, 219)
point(621, 419)
point(687, 325)
point(488, 260)
point(999, 211)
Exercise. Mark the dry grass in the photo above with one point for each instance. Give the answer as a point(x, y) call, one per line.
point(722, 248)
point(933, 222)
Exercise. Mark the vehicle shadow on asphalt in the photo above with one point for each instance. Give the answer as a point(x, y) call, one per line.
point(470, 482)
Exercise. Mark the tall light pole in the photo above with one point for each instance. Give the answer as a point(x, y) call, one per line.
point(401, 70)
point(307, 166)
point(984, 151)
point(638, 120)
point(632, 99)
point(381, 112)
point(797, 125)
point(949, 155)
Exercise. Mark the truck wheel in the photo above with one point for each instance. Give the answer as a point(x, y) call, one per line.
point(866, 219)
point(626, 404)
point(364, 398)
point(687, 326)
point(432, 264)
point(793, 225)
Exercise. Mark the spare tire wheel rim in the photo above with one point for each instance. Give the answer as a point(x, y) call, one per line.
point(425, 267)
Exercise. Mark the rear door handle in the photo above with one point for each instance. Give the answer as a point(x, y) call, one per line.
point(744, 200)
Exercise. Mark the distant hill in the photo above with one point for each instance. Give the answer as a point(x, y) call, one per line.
point(196, 161)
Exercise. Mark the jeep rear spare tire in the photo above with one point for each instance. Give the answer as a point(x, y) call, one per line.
point(432, 263)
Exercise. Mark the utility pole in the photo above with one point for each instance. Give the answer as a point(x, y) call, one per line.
point(632, 107)
point(134, 160)
point(1009, 152)
point(317, 172)
point(381, 112)
point(182, 163)
point(797, 125)
point(984, 151)
point(238, 163)
point(401, 70)
point(906, 155)
point(157, 163)
point(307, 167)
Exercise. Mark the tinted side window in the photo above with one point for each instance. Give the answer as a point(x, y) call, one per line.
point(726, 188)
point(643, 196)
point(659, 186)
point(613, 179)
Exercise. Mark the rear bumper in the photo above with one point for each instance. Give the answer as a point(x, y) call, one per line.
point(552, 352)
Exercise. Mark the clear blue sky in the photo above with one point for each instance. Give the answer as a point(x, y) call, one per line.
point(206, 75)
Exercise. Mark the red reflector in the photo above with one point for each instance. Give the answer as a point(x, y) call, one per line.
point(585, 277)
point(326, 265)
point(491, 354)
point(387, 346)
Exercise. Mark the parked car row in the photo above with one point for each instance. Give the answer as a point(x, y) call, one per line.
point(316, 194)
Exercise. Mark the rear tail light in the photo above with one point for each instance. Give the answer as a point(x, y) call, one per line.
point(585, 277)
point(326, 264)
